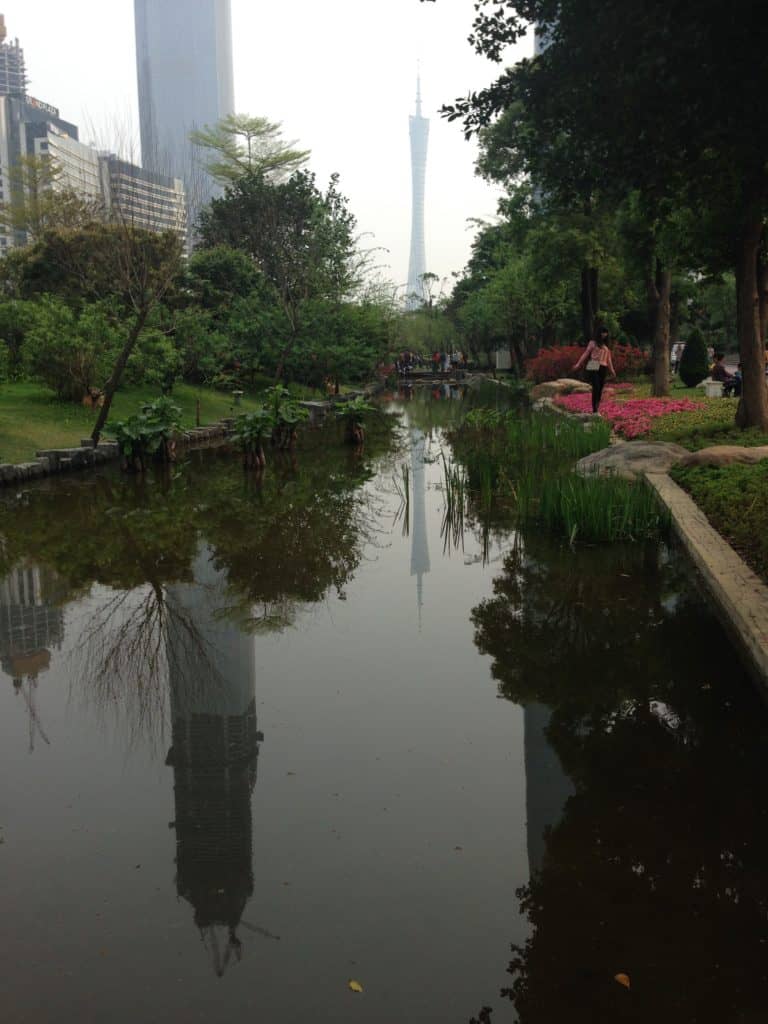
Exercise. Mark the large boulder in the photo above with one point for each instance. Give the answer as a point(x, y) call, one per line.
point(632, 459)
point(725, 455)
point(563, 386)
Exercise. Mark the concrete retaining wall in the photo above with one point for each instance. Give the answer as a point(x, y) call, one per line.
point(738, 593)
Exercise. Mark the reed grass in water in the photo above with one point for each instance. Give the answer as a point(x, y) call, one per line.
point(594, 509)
point(528, 461)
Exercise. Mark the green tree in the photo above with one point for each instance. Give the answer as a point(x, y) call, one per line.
point(39, 200)
point(240, 145)
point(694, 365)
point(69, 351)
point(15, 319)
point(130, 267)
point(610, 106)
point(302, 241)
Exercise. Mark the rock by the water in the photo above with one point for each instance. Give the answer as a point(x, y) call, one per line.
point(563, 386)
point(632, 459)
point(725, 455)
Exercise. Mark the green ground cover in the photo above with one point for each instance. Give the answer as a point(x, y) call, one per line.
point(735, 500)
point(31, 418)
point(711, 424)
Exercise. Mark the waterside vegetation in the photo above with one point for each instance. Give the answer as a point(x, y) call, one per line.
point(523, 464)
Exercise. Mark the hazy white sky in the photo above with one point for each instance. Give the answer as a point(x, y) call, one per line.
point(339, 74)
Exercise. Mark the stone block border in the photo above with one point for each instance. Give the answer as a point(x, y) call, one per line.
point(739, 594)
point(51, 461)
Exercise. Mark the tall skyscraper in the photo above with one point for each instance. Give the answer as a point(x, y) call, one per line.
point(417, 266)
point(184, 64)
point(13, 76)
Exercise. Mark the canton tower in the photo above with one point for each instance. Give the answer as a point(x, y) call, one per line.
point(419, 141)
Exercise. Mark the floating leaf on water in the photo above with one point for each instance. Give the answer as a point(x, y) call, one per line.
point(623, 979)
point(355, 986)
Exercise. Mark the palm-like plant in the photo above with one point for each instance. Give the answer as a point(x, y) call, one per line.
point(249, 432)
point(353, 414)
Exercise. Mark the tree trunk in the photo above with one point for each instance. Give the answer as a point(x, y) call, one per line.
point(114, 381)
point(589, 301)
point(753, 407)
point(762, 278)
point(659, 291)
point(519, 353)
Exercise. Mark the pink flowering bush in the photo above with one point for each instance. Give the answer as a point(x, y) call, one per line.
point(553, 363)
point(633, 417)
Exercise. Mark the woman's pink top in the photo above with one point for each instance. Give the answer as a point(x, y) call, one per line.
point(599, 352)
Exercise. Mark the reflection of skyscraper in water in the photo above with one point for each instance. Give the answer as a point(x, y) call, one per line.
point(419, 539)
point(547, 787)
point(31, 623)
point(212, 676)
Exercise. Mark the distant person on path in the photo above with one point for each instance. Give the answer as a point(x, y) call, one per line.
point(677, 355)
point(597, 356)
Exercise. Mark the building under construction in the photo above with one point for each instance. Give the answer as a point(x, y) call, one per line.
point(13, 74)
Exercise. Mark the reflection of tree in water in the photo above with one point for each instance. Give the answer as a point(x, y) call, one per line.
point(124, 658)
point(657, 867)
point(188, 560)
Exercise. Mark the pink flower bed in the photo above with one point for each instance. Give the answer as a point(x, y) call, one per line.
point(633, 417)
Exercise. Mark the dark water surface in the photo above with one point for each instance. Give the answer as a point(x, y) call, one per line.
point(258, 740)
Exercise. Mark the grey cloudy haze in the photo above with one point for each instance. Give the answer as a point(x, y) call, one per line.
point(339, 74)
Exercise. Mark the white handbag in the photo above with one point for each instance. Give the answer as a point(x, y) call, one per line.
point(593, 364)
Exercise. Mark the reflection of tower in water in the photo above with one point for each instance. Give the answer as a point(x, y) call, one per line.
point(419, 538)
point(214, 754)
point(30, 624)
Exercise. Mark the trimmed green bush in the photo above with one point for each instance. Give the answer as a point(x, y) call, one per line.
point(694, 366)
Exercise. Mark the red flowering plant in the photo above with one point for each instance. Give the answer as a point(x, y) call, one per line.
point(632, 418)
point(553, 363)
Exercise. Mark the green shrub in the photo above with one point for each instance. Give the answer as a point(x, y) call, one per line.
point(249, 432)
point(694, 366)
point(148, 433)
point(71, 353)
point(286, 415)
point(353, 414)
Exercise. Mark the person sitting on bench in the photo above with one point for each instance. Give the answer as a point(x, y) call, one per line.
point(722, 375)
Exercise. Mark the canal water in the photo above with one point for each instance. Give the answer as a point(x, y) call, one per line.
point(261, 738)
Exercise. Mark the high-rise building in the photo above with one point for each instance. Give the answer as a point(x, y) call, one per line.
point(141, 198)
point(77, 165)
point(184, 64)
point(25, 123)
point(417, 266)
point(13, 75)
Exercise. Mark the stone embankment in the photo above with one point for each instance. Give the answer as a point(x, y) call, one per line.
point(51, 461)
point(740, 596)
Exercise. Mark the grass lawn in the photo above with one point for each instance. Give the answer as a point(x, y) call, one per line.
point(735, 500)
point(32, 419)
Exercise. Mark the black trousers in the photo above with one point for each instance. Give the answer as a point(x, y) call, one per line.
point(597, 380)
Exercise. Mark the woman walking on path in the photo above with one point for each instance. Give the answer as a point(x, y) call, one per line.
point(597, 356)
